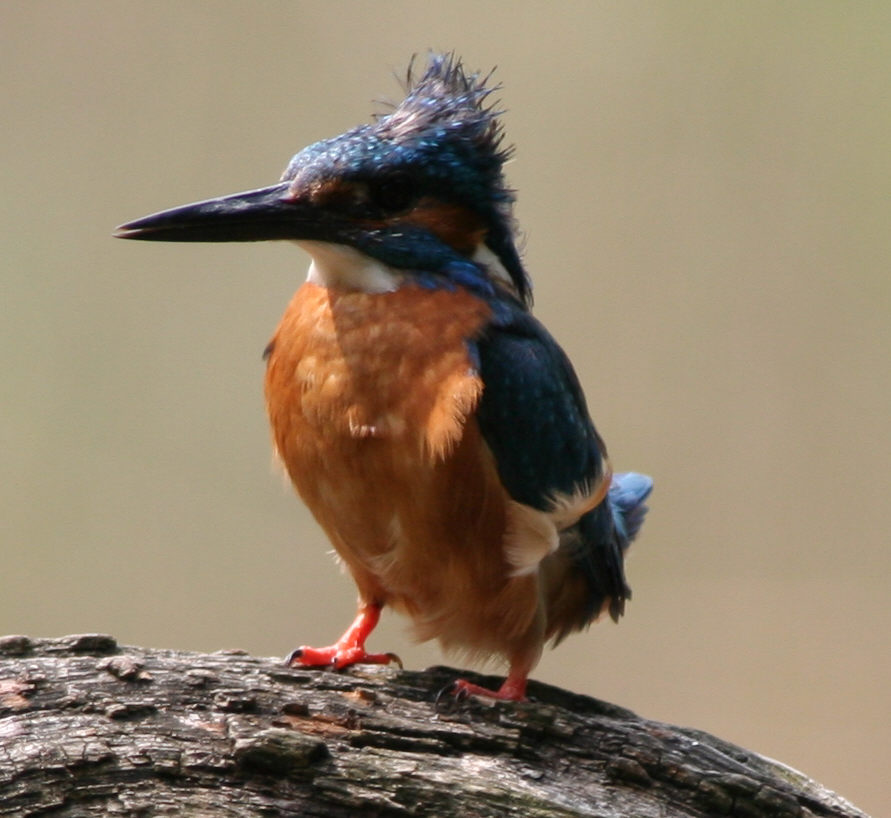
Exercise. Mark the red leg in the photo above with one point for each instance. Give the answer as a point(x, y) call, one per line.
point(350, 648)
point(513, 688)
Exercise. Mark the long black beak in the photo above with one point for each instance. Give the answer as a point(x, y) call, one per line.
point(256, 215)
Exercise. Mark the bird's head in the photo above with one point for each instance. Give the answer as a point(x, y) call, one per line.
point(418, 193)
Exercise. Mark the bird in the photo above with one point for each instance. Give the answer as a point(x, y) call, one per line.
point(435, 429)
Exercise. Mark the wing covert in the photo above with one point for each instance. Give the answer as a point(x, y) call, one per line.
point(533, 414)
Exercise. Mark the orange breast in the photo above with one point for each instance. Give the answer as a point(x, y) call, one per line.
point(386, 366)
point(370, 396)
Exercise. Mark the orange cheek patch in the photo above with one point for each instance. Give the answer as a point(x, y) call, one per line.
point(456, 226)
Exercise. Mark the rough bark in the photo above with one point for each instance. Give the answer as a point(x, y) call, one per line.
point(88, 727)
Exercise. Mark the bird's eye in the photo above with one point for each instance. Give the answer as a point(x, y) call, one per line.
point(394, 192)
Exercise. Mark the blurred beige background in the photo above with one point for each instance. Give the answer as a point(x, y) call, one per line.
point(704, 189)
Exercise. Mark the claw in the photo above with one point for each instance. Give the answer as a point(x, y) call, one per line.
point(448, 697)
point(290, 659)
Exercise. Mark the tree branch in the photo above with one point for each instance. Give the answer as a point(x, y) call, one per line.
point(89, 728)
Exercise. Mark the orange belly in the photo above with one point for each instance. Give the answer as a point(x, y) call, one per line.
point(370, 397)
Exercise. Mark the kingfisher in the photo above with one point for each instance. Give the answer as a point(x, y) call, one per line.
point(433, 426)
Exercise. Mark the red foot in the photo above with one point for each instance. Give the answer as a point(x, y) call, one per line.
point(338, 656)
point(513, 689)
point(349, 649)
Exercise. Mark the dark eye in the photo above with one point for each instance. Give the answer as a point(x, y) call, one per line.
point(394, 192)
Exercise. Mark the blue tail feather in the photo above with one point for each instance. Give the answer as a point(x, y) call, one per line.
point(600, 539)
point(627, 494)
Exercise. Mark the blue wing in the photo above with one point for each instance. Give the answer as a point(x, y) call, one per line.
point(534, 418)
point(533, 413)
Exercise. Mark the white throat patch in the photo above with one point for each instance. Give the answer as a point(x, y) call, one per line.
point(483, 255)
point(338, 265)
